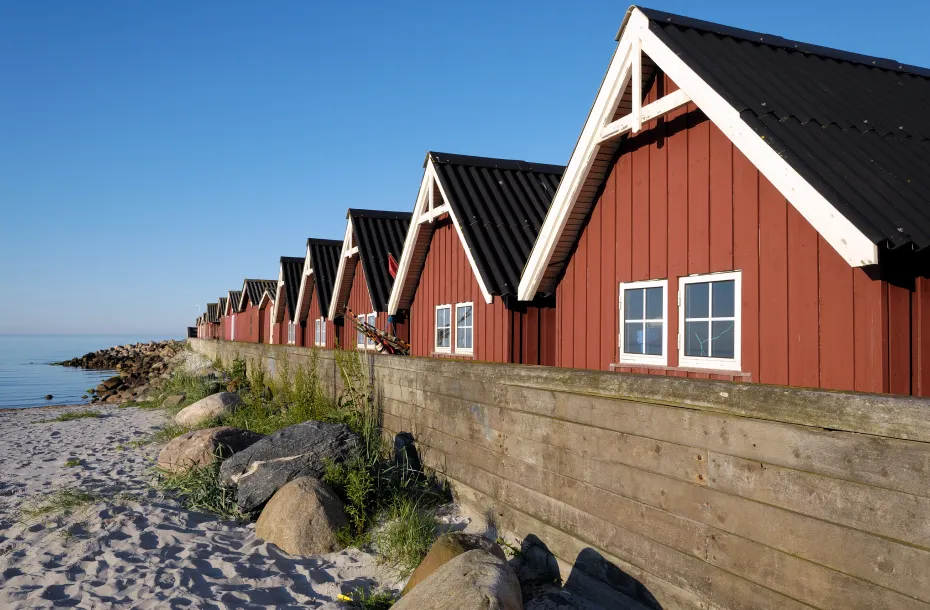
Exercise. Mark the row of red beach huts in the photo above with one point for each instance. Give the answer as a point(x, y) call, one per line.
point(738, 206)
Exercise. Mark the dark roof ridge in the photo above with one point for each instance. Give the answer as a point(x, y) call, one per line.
point(358, 213)
point(292, 259)
point(778, 41)
point(324, 242)
point(494, 162)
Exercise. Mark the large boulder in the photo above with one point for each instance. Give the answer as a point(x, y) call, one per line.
point(447, 548)
point(296, 451)
point(202, 447)
point(475, 580)
point(208, 408)
point(302, 518)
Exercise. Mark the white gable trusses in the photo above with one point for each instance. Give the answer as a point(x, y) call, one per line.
point(432, 203)
point(305, 294)
point(576, 193)
point(280, 305)
point(345, 275)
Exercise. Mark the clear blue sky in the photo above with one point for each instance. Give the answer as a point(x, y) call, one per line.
point(152, 154)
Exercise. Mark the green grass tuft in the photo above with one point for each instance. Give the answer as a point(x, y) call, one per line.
point(170, 431)
point(368, 599)
point(61, 501)
point(73, 462)
point(69, 416)
point(200, 489)
point(408, 534)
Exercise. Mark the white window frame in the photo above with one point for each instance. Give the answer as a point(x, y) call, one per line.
point(455, 329)
point(646, 359)
point(372, 320)
point(316, 331)
point(232, 334)
point(291, 333)
point(360, 337)
point(722, 364)
point(436, 347)
point(322, 332)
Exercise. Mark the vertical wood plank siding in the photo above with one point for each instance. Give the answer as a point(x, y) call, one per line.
point(310, 331)
point(680, 199)
point(499, 334)
point(360, 303)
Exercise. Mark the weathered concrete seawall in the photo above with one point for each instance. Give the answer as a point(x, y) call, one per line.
point(681, 493)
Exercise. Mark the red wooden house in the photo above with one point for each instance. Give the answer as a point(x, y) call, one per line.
point(221, 315)
point(211, 321)
point(266, 316)
point(253, 319)
point(474, 224)
point(363, 278)
point(316, 290)
point(232, 311)
point(286, 328)
point(743, 207)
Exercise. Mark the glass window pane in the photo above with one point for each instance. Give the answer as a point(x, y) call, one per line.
point(460, 337)
point(468, 335)
point(696, 335)
point(724, 299)
point(443, 337)
point(633, 304)
point(654, 303)
point(722, 339)
point(696, 300)
point(463, 316)
point(653, 344)
point(633, 338)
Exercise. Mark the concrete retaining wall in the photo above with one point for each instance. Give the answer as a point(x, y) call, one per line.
point(679, 493)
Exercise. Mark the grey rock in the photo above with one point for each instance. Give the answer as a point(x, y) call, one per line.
point(173, 400)
point(302, 518)
point(296, 451)
point(474, 580)
point(211, 407)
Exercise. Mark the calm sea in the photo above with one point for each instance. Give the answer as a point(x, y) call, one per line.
point(26, 376)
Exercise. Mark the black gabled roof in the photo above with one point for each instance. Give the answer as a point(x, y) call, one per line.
point(293, 268)
point(236, 297)
point(378, 234)
point(221, 309)
point(254, 289)
point(500, 205)
point(856, 127)
point(324, 256)
point(212, 316)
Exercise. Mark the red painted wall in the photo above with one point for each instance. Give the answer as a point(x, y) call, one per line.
point(360, 303)
point(314, 313)
point(499, 335)
point(681, 200)
point(264, 328)
point(247, 324)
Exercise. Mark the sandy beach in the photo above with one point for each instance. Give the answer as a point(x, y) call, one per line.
point(135, 547)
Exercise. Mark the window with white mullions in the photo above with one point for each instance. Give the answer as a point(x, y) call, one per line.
point(372, 321)
point(710, 321)
point(443, 328)
point(643, 322)
point(464, 328)
point(316, 332)
point(322, 332)
point(359, 335)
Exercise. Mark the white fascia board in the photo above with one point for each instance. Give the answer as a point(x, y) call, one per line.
point(305, 277)
point(244, 297)
point(612, 89)
point(278, 289)
point(340, 272)
point(857, 249)
point(836, 229)
point(424, 198)
point(458, 229)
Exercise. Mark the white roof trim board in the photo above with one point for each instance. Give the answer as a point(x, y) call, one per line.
point(344, 275)
point(857, 249)
point(306, 288)
point(426, 210)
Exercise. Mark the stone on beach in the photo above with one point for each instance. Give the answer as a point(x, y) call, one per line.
point(211, 407)
point(173, 400)
point(202, 447)
point(292, 452)
point(302, 518)
point(475, 580)
point(447, 548)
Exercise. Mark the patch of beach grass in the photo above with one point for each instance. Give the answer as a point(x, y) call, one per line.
point(192, 387)
point(62, 501)
point(139, 442)
point(408, 534)
point(170, 431)
point(71, 415)
point(371, 599)
point(200, 489)
point(72, 462)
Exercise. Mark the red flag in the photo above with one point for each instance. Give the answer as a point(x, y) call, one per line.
point(392, 265)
